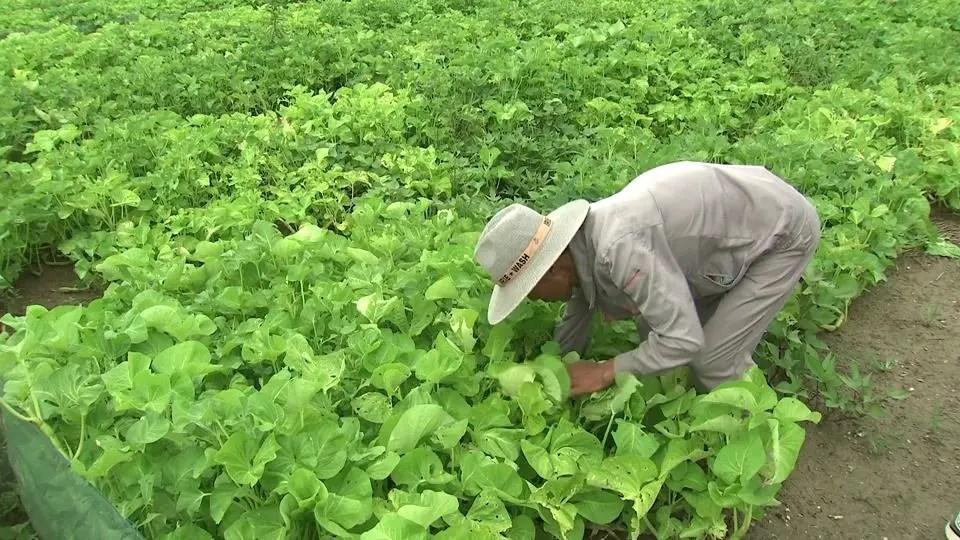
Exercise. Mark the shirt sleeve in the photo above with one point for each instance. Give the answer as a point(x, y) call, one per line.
point(573, 330)
point(641, 266)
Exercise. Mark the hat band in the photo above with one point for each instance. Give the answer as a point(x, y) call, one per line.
point(532, 248)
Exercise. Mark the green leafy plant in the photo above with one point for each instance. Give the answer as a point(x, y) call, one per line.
point(318, 398)
point(280, 200)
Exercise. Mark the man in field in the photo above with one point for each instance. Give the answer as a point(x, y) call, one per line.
point(701, 256)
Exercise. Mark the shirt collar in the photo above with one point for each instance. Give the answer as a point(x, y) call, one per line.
point(583, 260)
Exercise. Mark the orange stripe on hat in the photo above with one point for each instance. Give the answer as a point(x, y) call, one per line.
point(532, 248)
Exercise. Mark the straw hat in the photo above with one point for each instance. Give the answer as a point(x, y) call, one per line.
point(519, 245)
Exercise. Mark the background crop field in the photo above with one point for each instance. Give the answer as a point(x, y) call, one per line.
point(279, 200)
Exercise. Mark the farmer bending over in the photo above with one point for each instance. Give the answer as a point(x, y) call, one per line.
point(701, 256)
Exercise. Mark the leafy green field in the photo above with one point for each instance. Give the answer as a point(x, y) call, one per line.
point(282, 201)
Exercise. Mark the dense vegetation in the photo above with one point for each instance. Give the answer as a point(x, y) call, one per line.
point(282, 200)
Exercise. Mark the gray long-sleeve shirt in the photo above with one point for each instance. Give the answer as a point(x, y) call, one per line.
point(676, 234)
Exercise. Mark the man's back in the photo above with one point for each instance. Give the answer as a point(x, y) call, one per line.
point(714, 219)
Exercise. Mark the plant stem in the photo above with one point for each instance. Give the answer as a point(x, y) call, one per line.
point(650, 526)
point(606, 433)
point(38, 421)
point(57, 443)
point(223, 430)
point(16, 414)
point(742, 532)
point(36, 402)
point(83, 430)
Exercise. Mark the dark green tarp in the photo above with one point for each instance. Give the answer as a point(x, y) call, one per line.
point(60, 503)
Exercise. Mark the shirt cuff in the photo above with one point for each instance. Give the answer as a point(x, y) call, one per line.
point(634, 362)
point(625, 363)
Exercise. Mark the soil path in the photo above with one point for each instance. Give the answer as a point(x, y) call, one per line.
point(892, 478)
point(48, 286)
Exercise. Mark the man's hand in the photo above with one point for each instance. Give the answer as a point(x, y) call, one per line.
point(588, 377)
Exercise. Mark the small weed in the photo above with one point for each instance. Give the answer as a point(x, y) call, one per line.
point(933, 315)
point(878, 445)
point(883, 364)
point(935, 421)
point(854, 390)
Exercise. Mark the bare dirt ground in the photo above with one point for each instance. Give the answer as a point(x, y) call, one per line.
point(47, 286)
point(893, 478)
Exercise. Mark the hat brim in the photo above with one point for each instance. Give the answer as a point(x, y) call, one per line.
point(566, 222)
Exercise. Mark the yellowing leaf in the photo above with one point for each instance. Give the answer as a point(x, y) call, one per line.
point(941, 124)
point(886, 163)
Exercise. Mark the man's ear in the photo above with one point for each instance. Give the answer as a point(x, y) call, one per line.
point(552, 271)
